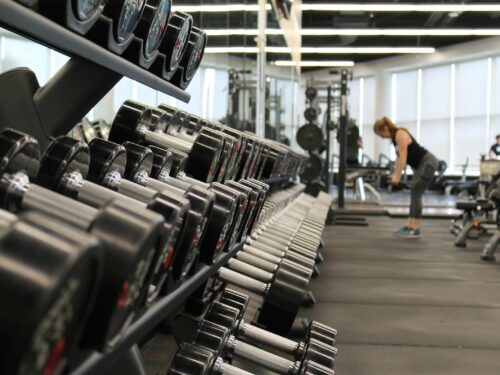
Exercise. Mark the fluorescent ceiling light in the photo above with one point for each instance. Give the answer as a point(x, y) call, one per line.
point(374, 50)
point(314, 63)
point(324, 50)
point(402, 7)
point(362, 32)
point(219, 8)
point(401, 32)
point(348, 7)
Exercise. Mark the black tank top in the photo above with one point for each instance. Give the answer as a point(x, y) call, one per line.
point(415, 151)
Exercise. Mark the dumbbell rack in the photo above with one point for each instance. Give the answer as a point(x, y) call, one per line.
point(91, 72)
point(52, 110)
point(98, 362)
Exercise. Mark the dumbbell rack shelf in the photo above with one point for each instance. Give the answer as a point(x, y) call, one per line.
point(97, 363)
point(91, 73)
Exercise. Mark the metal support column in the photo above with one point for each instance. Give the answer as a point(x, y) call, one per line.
point(342, 138)
point(260, 121)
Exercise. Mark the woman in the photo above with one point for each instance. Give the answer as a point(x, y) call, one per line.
point(423, 163)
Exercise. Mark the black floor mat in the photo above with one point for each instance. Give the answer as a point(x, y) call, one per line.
point(408, 306)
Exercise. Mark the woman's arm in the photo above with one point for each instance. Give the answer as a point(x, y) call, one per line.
point(402, 140)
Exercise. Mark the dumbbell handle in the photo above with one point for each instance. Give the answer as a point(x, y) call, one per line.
point(92, 194)
point(248, 269)
point(66, 209)
point(256, 261)
point(263, 358)
point(115, 181)
point(245, 282)
point(273, 257)
point(223, 368)
point(167, 141)
point(271, 339)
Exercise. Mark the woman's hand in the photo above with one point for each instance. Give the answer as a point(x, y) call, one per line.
point(395, 179)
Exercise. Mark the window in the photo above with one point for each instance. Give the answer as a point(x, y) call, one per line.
point(470, 130)
point(435, 123)
point(407, 101)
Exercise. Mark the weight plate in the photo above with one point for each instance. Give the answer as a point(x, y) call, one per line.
point(174, 43)
point(125, 15)
point(152, 25)
point(313, 168)
point(311, 114)
point(86, 9)
point(311, 93)
point(191, 59)
point(309, 137)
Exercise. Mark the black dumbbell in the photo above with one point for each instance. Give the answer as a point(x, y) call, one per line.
point(64, 167)
point(132, 123)
point(108, 163)
point(219, 339)
point(129, 235)
point(312, 349)
point(281, 297)
point(166, 119)
point(318, 345)
point(191, 359)
point(213, 220)
point(49, 274)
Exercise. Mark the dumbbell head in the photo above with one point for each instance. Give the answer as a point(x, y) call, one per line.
point(192, 359)
point(192, 58)
point(105, 157)
point(162, 162)
point(235, 299)
point(63, 155)
point(224, 315)
point(174, 43)
point(54, 270)
point(212, 336)
point(321, 332)
point(139, 160)
point(20, 152)
point(179, 161)
point(129, 123)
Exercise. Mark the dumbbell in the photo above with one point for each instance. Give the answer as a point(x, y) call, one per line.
point(191, 359)
point(64, 167)
point(171, 121)
point(315, 330)
point(312, 349)
point(108, 163)
point(49, 274)
point(132, 123)
point(138, 160)
point(282, 295)
point(129, 234)
point(219, 339)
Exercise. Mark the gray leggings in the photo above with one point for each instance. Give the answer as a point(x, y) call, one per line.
point(422, 179)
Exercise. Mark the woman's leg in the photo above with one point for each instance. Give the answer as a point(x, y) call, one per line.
point(421, 181)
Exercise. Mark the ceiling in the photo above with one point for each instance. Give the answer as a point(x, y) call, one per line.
point(339, 20)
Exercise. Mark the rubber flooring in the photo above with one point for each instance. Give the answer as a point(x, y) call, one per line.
point(408, 306)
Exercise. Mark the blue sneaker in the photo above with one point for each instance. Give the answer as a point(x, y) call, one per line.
point(406, 232)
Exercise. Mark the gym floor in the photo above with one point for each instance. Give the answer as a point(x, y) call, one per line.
point(408, 306)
